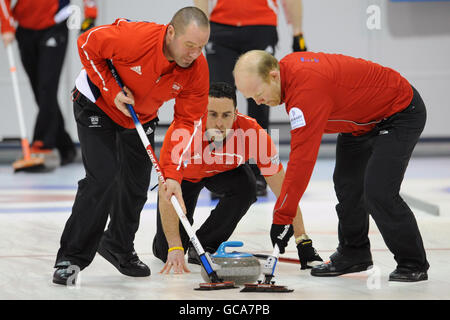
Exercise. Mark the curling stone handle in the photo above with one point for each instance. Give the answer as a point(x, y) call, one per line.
point(226, 244)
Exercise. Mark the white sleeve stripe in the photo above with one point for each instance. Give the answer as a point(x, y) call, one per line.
point(91, 62)
point(118, 22)
point(272, 6)
point(246, 117)
point(241, 158)
point(5, 12)
point(189, 143)
point(63, 14)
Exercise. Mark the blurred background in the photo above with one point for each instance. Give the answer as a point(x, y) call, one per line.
point(412, 37)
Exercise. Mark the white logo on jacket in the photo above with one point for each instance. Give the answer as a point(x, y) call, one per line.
point(297, 118)
point(137, 69)
point(176, 86)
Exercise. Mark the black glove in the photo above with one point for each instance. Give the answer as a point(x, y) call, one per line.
point(298, 43)
point(307, 253)
point(87, 24)
point(280, 234)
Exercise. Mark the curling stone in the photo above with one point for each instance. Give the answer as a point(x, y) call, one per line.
point(239, 267)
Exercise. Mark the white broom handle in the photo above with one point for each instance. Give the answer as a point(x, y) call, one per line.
point(187, 226)
point(271, 262)
point(13, 71)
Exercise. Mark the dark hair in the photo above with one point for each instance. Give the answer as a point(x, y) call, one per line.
point(185, 16)
point(223, 90)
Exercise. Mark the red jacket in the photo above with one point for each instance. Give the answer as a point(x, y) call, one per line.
point(205, 159)
point(39, 14)
point(245, 12)
point(136, 49)
point(330, 93)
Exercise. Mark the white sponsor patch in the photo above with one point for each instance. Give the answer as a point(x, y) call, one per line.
point(297, 119)
point(51, 42)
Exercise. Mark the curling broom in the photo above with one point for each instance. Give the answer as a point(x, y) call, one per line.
point(206, 262)
point(28, 163)
point(268, 269)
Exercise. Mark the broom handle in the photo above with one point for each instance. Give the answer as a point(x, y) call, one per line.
point(15, 83)
point(268, 268)
point(206, 260)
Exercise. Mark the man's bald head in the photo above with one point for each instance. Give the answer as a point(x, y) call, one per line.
point(185, 16)
point(257, 76)
point(186, 36)
point(256, 62)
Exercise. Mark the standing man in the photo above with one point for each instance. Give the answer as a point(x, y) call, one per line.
point(156, 63)
point(239, 26)
point(227, 139)
point(42, 37)
point(90, 14)
point(379, 117)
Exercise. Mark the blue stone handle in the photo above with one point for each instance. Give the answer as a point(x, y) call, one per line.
point(221, 250)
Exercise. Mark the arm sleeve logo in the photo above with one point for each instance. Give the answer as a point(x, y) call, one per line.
point(297, 119)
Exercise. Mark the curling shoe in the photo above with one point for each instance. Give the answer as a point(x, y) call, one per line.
point(407, 275)
point(128, 264)
point(216, 196)
point(339, 265)
point(261, 186)
point(67, 156)
point(63, 275)
point(192, 254)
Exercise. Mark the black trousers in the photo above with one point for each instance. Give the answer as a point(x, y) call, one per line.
point(239, 189)
point(116, 183)
point(226, 44)
point(42, 53)
point(367, 178)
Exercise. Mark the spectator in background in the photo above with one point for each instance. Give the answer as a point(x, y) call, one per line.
point(42, 37)
point(90, 14)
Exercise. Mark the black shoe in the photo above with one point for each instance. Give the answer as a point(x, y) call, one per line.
point(339, 265)
point(128, 264)
point(407, 275)
point(193, 255)
point(158, 254)
point(62, 274)
point(68, 156)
